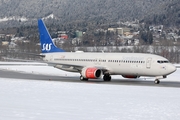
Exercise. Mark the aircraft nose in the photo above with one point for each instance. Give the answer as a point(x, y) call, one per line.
point(172, 68)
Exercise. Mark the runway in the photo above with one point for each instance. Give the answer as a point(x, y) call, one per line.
point(25, 76)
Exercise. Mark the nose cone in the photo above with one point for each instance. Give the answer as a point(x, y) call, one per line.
point(172, 69)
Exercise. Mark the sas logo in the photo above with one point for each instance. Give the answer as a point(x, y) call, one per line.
point(47, 47)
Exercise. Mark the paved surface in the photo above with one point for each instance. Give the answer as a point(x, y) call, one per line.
point(16, 75)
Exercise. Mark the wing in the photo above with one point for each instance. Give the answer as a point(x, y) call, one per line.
point(75, 68)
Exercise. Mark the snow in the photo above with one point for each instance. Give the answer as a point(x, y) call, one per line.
point(52, 16)
point(36, 68)
point(23, 19)
point(53, 100)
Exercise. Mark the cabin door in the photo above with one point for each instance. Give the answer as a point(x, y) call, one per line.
point(148, 63)
point(51, 58)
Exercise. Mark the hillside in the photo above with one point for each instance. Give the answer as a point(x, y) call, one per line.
point(71, 11)
point(170, 15)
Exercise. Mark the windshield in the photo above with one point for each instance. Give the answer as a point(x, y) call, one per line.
point(162, 61)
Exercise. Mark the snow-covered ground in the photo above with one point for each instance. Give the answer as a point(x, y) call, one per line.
point(52, 100)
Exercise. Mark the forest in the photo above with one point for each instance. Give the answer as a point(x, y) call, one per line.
point(90, 11)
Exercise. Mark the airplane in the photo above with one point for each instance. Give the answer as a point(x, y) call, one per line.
point(92, 65)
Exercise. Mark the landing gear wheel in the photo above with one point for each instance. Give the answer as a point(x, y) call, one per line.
point(107, 77)
point(83, 79)
point(156, 81)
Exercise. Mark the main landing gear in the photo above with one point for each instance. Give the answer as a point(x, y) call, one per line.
point(83, 79)
point(107, 77)
point(157, 81)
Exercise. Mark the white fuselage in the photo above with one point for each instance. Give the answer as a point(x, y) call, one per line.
point(138, 64)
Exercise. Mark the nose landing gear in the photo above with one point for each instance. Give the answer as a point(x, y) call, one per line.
point(157, 81)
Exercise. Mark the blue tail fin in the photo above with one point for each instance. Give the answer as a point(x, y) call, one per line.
point(47, 45)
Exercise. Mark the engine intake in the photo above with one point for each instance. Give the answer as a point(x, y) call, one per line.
point(91, 73)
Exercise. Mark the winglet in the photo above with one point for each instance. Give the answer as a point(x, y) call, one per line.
point(47, 45)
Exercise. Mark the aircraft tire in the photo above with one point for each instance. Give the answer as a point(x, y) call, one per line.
point(107, 77)
point(83, 79)
point(157, 81)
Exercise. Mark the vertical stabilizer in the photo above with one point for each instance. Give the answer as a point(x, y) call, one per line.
point(47, 45)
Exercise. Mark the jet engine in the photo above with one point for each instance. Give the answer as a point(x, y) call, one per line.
point(130, 76)
point(91, 73)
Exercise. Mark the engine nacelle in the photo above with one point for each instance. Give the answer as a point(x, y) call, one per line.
point(130, 76)
point(91, 73)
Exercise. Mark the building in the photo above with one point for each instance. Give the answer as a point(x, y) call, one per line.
point(79, 34)
point(64, 36)
point(112, 29)
point(119, 31)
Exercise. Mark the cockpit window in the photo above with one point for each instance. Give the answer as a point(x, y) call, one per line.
point(166, 61)
point(162, 61)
